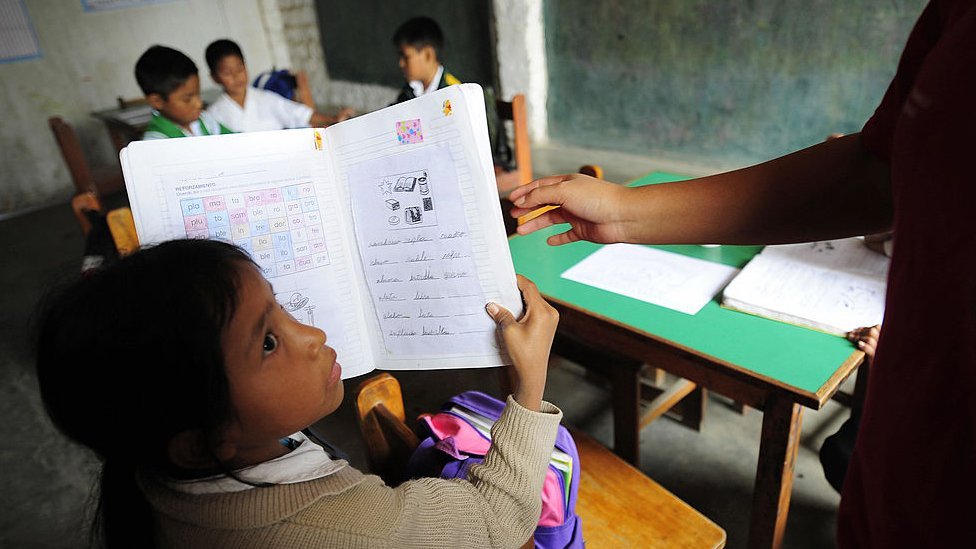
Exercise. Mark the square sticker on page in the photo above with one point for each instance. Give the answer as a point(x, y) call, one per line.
point(409, 132)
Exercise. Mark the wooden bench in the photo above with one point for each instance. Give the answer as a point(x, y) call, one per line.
point(622, 507)
point(619, 506)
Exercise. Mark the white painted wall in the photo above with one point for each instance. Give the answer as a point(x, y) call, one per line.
point(88, 60)
point(521, 54)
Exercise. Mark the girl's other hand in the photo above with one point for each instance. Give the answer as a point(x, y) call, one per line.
point(528, 340)
point(866, 339)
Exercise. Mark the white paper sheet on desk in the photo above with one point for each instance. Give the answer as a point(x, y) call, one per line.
point(675, 281)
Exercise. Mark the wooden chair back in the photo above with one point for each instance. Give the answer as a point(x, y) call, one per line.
point(123, 228)
point(81, 202)
point(103, 181)
point(74, 158)
point(382, 423)
point(515, 110)
point(506, 181)
point(120, 222)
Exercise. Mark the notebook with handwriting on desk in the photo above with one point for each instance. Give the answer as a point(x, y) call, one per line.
point(833, 286)
point(383, 230)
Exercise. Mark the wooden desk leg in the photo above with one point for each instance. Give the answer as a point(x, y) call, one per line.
point(774, 474)
point(626, 412)
point(693, 408)
point(118, 137)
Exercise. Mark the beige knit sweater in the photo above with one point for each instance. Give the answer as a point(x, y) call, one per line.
point(498, 506)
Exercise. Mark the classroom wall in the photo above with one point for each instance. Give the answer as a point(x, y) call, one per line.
point(357, 38)
point(88, 61)
point(521, 55)
point(729, 83)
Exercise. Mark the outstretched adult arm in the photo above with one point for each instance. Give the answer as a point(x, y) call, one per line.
point(829, 190)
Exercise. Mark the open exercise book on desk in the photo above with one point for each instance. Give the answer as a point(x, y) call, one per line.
point(833, 286)
point(384, 230)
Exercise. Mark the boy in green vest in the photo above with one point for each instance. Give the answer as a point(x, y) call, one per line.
point(172, 86)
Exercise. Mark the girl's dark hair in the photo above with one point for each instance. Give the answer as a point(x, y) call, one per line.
point(131, 356)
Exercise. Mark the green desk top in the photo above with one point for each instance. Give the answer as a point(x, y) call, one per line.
point(797, 357)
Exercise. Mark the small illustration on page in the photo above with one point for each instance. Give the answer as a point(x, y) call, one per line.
point(409, 196)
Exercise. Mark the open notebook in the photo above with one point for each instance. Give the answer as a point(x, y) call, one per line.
point(384, 230)
point(833, 286)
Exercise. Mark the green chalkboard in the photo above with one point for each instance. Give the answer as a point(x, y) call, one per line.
point(357, 38)
point(731, 81)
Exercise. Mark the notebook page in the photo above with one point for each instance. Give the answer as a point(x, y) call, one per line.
point(848, 255)
point(429, 231)
point(831, 286)
point(273, 195)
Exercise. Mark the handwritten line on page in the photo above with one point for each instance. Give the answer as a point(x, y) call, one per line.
point(666, 279)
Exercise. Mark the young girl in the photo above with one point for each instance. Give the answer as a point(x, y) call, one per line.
point(179, 369)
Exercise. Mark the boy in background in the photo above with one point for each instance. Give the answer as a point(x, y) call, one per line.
point(171, 84)
point(420, 44)
point(243, 108)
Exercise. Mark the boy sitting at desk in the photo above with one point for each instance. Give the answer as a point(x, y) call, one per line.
point(243, 108)
point(172, 86)
point(420, 44)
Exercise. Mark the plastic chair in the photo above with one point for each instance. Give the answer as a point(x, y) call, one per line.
point(101, 182)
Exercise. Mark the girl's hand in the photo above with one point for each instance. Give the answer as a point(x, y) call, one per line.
point(596, 209)
point(528, 340)
point(866, 340)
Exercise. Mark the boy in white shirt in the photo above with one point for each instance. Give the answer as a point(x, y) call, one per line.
point(243, 108)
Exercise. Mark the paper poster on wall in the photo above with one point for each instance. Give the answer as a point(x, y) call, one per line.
point(18, 41)
point(105, 5)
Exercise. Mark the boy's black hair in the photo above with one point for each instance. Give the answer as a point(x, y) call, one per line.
point(161, 70)
point(219, 49)
point(419, 32)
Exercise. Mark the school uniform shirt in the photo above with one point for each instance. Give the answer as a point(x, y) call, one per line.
point(912, 477)
point(263, 110)
point(161, 127)
point(500, 152)
point(415, 88)
point(306, 461)
point(498, 506)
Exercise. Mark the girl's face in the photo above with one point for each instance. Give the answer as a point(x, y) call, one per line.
point(283, 377)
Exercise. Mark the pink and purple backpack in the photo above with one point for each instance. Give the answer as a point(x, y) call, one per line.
point(455, 442)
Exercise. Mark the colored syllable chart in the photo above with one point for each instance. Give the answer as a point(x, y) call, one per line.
point(281, 228)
